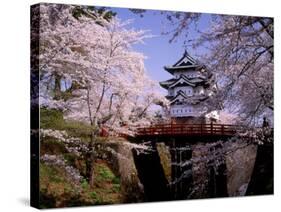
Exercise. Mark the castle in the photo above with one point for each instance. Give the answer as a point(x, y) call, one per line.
point(189, 89)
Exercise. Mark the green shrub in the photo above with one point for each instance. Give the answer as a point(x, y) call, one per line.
point(70, 158)
point(51, 173)
point(52, 146)
point(84, 184)
point(78, 129)
point(116, 188)
point(116, 180)
point(53, 119)
point(93, 195)
point(105, 172)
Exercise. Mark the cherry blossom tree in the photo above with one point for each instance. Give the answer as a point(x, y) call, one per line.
point(99, 60)
point(105, 78)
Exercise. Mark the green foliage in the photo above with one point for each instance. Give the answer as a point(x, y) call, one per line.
point(116, 188)
point(93, 195)
point(52, 146)
point(107, 185)
point(56, 190)
point(87, 11)
point(53, 119)
point(51, 173)
point(70, 158)
point(104, 172)
point(106, 181)
point(84, 184)
point(54, 181)
point(78, 129)
point(116, 180)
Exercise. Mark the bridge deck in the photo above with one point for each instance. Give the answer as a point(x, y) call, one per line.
point(189, 130)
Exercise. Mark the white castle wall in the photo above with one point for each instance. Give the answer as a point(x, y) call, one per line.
point(188, 90)
point(186, 110)
point(187, 73)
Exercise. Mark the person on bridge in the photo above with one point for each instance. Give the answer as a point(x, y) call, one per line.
point(265, 122)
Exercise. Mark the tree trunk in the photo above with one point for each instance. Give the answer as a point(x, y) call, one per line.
point(99, 104)
point(90, 161)
point(92, 158)
point(57, 88)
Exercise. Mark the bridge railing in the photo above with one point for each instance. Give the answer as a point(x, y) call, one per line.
point(190, 129)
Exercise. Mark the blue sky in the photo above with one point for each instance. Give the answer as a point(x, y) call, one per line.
point(158, 50)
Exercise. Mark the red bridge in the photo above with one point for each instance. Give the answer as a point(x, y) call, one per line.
point(190, 130)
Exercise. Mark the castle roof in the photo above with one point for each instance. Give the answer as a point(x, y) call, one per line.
point(179, 94)
point(184, 80)
point(185, 62)
point(167, 83)
point(188, 100)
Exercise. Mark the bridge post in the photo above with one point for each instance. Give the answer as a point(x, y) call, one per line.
point(173, 168)
point(181, 168)
point(151, 174)
point(261, 182)
point(217, 183)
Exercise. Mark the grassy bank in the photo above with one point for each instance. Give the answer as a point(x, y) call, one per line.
point(56, 189)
